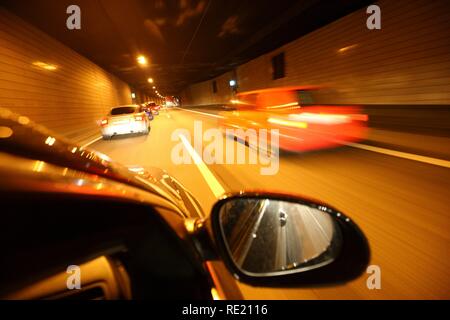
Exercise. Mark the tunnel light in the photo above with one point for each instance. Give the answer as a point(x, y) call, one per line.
point(50, 141)
point(133, 95)
point(23, 120)
point(142, 60)
point(150, 80)
point(38, 166)
point(232, 83)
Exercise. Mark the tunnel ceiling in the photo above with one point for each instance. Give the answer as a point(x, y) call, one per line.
point(185, 41)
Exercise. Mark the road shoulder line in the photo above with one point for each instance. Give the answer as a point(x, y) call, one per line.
point(400, 154)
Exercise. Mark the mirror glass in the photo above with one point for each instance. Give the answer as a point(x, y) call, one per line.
point(268, 237)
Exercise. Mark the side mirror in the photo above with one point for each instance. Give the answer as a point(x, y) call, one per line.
point(280, 240)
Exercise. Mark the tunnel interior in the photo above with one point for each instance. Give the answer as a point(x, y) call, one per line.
point(358, 90)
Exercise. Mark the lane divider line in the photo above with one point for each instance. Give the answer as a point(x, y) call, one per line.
point(203, 113)
point(211, 180)
point(400, 154)
point(91, 142)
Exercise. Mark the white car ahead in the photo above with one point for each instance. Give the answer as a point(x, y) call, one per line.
point(125, 120)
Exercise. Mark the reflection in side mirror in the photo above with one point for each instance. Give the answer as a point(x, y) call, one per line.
point(265, 237)
point(278, 240)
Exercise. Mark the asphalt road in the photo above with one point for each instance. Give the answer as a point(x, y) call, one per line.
point(401, 205)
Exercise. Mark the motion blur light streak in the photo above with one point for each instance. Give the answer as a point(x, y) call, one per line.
point(344, 49)
point(290, 104)
point(45, 66)
point(288, 123)
point(320, 118)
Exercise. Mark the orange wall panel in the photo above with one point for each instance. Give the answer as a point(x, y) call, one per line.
point(52, 84)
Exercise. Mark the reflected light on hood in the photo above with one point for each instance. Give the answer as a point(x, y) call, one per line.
point(5, 132)
point(45, 66)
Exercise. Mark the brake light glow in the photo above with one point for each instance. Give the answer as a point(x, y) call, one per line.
point(104, 122)
point(138, 118)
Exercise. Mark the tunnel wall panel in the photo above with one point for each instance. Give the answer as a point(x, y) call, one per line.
point(202, 93)
point(406, 62)
point(53, 85)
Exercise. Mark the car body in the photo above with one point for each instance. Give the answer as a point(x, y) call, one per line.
point(154, 107)
point(302, 124)
point(125, 120)
point(131, 232)
point(171, 102)
point(147, 110)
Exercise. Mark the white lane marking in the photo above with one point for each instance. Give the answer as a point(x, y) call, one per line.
point(399, 154)
point(211, 180)
point(91, 142)
point(203, 113)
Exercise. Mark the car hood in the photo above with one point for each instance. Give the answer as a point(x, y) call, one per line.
point(22, 137)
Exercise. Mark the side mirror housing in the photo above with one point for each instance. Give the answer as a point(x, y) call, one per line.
point(281, 240)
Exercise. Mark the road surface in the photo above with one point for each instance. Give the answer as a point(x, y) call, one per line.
point(401, 205)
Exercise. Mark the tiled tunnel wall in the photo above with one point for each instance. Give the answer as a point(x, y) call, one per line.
point(407, 62)
point(52, 84)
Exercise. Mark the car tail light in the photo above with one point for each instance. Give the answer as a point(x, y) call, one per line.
point(104, 122)
point(138, 118)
